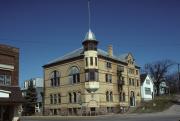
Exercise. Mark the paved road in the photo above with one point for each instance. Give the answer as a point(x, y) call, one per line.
point(134, 117)
point(172, 114)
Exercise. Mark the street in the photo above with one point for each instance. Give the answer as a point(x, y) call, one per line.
point(135, 117)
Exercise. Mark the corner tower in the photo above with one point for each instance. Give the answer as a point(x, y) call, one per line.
point(91, 61)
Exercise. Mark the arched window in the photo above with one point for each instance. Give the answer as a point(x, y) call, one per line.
point(70, 98)
point(111, 96)
point(74, 75)
point(55, 78)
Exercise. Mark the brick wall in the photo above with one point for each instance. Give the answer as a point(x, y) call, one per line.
point(10, 56)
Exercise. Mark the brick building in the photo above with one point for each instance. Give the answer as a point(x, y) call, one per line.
point(10, 94)
point(90, 81)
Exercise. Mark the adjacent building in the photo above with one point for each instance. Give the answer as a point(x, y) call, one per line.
point(147, 87)
point(10, 93)
point(89, 81)
point(163, 88)
point(38, 85)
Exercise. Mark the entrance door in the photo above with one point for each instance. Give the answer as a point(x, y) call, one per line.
point(6, 113)
point(93, 111)
point(132, 99)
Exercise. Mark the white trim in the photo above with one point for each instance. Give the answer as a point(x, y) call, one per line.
point(4, 94)
point(6, 67)
point(5, 91)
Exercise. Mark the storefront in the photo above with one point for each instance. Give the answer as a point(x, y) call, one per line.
point(10, 103)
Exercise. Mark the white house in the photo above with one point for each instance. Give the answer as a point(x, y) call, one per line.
point(147, 87)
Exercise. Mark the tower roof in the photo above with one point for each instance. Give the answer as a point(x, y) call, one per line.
point(90, 35)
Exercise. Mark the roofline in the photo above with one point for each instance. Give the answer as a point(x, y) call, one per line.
point(138, 67)
point(81, 57)
point(111, 59)
point(63, 61)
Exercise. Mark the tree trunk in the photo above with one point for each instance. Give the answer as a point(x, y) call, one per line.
point(157, 87)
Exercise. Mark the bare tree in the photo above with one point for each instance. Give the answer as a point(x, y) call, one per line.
point(158, 71)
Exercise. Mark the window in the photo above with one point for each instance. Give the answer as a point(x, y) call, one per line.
point(92, 76)
point(108, 65)
point(130, 61)
point(96, 61)
point(131, 71)
point(91, 61)
point(132, 94)
point(120, 80)
point(147, 91)
point(137, 83)
point(120, 68)
point(91, 46)
point(55, 99)
point(129, 81)
point(133, 83)
point(147, 81)
point(51, 98)
point(78, 97)
point(108, 78)
point(59, 98)
point(70, 98)
point(137, 72)
point(74, 75)
point(109, 96)
point(74, 95)
point(86, 61)
point(55, 111)
point(124, 97)
point(55, 78)
point(5, 79)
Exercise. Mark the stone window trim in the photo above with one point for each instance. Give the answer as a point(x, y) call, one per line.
point(108, 65)
point(55, 99)
point(108, 78)
point(74, 75)
point(122, 96)
point(109, 96)
point(55, 78)
point(74, 97)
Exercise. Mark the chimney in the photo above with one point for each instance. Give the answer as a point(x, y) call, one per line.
point(110, 50)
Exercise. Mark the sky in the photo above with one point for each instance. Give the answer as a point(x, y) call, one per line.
point(46, 29)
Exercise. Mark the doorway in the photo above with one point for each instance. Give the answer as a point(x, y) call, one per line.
point(6, 113)
point(92, 111)
point(132, 99)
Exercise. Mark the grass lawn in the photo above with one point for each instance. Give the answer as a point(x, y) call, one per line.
point(157, 105)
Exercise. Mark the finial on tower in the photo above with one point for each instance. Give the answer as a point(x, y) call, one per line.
point(90, 35)
point(89, 15)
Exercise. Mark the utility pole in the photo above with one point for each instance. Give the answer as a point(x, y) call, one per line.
point(178, 78)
